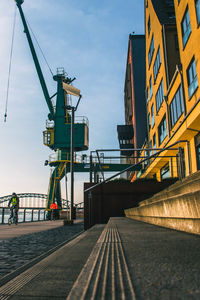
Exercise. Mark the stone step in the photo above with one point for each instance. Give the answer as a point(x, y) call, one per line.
point(187, 185)
point(180, 212)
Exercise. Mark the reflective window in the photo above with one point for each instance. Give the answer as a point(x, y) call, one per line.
point(198, 10)
point(151, 50)
point(149, 25)
point(152, 116)
point(154, 141)
point(186, 27)
point(149, 121)
point(192, 78)
point(159, 96)
point(151, 87)
point(147, 95)
point(150, 147)
point(162, 130)
point(164, 172)
point(176, 107)
point(157, 64)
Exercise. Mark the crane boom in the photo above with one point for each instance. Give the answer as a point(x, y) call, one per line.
point(37, 65)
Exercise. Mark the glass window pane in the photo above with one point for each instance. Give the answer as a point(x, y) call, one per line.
point(186, 28)
point(192, 78)
point(198, 10)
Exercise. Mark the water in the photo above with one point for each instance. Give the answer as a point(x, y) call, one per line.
point(37, 215)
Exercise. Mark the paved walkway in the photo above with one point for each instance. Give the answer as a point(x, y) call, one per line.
point(21, 244)
point(7, 232)
point(158, 264)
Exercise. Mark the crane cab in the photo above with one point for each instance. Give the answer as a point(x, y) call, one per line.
point(81, 136)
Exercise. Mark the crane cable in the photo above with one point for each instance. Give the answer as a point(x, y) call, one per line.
point(10, 64)
point(40, 48)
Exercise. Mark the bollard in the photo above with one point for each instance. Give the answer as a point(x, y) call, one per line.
point(38, 214)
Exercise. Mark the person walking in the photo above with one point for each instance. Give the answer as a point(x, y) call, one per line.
point(54, 211)
point(13, 204)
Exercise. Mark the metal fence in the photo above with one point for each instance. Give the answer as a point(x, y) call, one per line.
point(24, 215)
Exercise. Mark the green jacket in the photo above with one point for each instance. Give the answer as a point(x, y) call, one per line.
point(14, 201)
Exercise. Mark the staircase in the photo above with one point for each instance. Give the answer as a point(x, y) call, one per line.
point(176, 207)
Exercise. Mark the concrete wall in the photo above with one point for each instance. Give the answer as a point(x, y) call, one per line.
point(111, 199)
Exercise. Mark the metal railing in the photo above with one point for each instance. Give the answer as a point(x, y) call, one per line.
point(143, 160)
point(24, 215)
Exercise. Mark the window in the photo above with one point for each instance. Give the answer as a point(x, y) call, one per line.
point(164, 172)
point(152, 116)
point(151, 50)
point(149, 25)
point(157, 64)
point(192, 78)
point(154, 141)
point(150, 147)
point(197, 146)
point(147, 95)
point(151, 87)
point(198, 11)
point(162, 130)
point(159, 96)
point(186, 27)
point(149, 121)
point(176, 106)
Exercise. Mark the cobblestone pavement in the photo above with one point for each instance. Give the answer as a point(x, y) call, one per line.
point(16, 252)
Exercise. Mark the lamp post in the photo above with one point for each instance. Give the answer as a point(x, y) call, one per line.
point(73, 109)
point(72, 163)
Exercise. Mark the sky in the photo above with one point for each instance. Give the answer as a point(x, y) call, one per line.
point(89, 38)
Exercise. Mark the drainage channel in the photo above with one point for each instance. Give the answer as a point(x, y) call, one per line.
point(14, 281)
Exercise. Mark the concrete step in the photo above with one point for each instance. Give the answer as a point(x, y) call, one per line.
point(187, 185)
point(180, 212)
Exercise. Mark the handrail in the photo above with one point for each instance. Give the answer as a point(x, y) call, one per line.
point(129, 168)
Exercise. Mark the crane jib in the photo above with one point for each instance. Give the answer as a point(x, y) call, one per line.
point(36, 62)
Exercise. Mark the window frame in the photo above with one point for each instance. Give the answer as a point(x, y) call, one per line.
point(165, 171)
point(149, 25)
point(186, 33)
point(157, 64)
point(150, 87)
point(151, 50)
point(197, 14)
point(152, 116)
point(154, 141)
point(149, 121)
point(158, 94)
point(147, 94)
point(176, 107)
point(164, 130)
point(192, 85)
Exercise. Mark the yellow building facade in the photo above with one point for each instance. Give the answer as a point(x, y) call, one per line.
point(172, 33)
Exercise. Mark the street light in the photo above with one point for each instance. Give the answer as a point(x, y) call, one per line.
point(73, 109)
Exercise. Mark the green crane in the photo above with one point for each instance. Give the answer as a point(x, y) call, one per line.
point(57, 135)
